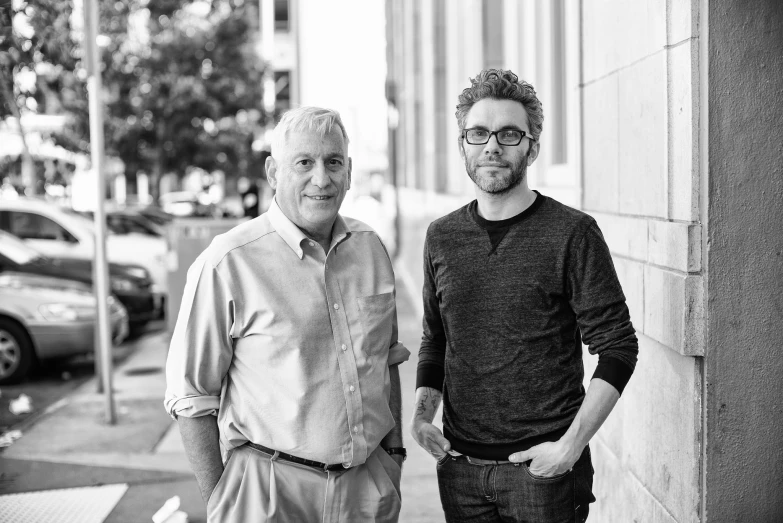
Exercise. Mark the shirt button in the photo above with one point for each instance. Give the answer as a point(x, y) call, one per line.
point(351, 388)
point(343, 347)
point(326, 266)
point(336, 306)
point(355, 429)
point(312, 244)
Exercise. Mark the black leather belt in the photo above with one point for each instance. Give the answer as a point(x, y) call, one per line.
point(294, 459)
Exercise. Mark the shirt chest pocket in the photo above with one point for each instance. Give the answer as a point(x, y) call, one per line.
point(376, 314)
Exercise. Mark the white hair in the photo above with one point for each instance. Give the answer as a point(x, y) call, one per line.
point(307, 118)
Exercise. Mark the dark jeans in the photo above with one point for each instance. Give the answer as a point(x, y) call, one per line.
point(509, 493)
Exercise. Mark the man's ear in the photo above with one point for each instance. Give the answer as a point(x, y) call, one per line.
point(271, 171)
point(350, 170)
point(461, 146)
point(532, 153)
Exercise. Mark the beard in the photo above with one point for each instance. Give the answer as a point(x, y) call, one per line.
point(498, 184)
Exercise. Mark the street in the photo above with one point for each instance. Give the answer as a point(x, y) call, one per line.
point(52, 382)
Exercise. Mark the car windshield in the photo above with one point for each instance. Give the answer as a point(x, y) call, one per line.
point(84, 220)
point(17, 250)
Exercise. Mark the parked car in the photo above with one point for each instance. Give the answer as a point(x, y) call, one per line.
point(63, 234)
point(130, 222)
point(152, 212)
point(186, 204)
point(131, 284)
point(42, 317)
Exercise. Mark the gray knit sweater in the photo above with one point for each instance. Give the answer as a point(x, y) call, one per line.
point(504, 324)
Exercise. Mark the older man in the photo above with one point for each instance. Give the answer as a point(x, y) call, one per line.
point(513, 283)
point(285, 352)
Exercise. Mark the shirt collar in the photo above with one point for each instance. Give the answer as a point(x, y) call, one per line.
point(293, 235)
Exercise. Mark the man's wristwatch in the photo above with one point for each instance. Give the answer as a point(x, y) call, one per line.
point(397, 450)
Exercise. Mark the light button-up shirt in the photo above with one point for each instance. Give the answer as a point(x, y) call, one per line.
point(287, 353)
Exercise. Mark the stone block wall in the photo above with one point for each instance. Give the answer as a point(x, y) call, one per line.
point(640, 181)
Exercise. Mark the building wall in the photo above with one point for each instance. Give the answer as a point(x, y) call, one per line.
point(744, 193)
point(640, 137)
point(341, 66)
point(672, 142)
point(434, 47)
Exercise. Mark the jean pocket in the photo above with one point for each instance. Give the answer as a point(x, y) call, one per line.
point(376, 314)
point(442, 460)
point(536, 477)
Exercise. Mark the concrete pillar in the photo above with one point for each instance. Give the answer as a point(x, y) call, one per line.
point(743, 367)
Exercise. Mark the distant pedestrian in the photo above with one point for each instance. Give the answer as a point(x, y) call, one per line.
point(284, 357)
point(514, 282)
point(249, 195)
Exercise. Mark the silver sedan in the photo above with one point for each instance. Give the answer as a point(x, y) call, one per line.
point(43, 317)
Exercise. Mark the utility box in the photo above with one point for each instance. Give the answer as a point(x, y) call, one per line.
point(187, 238)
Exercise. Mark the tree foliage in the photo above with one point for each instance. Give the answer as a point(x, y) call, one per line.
point(182, 82)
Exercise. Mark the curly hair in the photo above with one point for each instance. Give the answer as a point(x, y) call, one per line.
point(500, 84)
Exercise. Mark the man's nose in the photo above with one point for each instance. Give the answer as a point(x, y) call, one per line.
point(493, 147)
point(320, 177)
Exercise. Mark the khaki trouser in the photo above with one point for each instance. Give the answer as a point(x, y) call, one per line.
point(255, 488)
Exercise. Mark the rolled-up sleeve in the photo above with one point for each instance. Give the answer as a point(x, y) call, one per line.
point(398, 353)
point(201, 346)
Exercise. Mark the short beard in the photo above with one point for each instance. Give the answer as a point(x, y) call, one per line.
point(496, 185)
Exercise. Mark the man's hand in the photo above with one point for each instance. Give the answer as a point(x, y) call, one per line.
point(398, 459)
point(548, 459)
point(430, 438)
point(427, 435)
point(551, 459)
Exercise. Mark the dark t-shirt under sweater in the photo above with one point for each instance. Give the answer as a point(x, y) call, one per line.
point(504, 306)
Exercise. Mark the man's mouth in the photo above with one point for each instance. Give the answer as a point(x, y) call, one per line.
point(319, 197)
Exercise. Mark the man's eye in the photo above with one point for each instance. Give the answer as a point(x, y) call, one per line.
point(510, 134)
point(479, 133)
point(335, 162)
point(305, 162)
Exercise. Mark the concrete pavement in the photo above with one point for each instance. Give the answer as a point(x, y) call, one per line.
point(71, 466)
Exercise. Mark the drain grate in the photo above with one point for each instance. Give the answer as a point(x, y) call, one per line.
point(143, 371)
point(71, 505)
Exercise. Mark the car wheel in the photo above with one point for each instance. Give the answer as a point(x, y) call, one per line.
point(16, 352)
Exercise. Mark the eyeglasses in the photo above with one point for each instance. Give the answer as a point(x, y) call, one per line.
point(476, 136)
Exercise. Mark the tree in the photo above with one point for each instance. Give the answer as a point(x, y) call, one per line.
point(31, 37)
point(182, 82)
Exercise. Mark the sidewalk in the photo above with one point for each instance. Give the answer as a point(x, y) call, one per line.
point(70, 466)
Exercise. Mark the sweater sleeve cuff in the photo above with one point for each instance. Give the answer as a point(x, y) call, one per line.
point(430, 375)
point(614, 372)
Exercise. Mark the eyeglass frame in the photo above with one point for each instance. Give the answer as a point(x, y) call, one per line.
point(495, 133)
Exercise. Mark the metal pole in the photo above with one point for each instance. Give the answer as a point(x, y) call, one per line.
point(267, 26)
point(392, 118)
point(101, 283)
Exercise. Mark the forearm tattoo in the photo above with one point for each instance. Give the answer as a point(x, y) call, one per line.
point(427, 404)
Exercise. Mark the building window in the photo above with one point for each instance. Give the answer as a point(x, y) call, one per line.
point(559, 119)
point(442, 121)
point(282, 12)
point(492, 29)
point(282, 15)
point(282, 93)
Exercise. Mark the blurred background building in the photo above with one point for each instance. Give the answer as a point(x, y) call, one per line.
point(658, 121)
